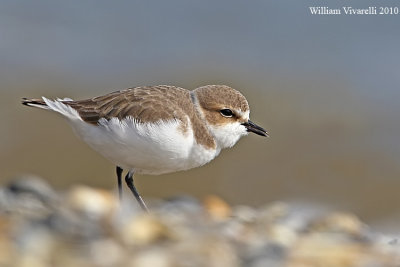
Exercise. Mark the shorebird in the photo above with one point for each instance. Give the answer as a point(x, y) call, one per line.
point(157, 129)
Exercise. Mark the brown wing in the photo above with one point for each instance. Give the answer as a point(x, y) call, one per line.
point(145, 104)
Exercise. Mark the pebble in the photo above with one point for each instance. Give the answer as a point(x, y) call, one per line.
point(144, 229)
point(87, 226)
point(217, 207)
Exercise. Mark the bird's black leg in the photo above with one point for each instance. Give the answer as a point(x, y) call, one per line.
point(129, 182)
point(119, 174)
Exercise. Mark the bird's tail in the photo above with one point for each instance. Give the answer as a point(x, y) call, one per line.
point(59, 105)
point(38, 103)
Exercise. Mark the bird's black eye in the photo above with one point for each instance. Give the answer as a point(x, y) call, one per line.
point(226, 112)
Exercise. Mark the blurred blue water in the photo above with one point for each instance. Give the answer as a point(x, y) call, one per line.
point(138, 41)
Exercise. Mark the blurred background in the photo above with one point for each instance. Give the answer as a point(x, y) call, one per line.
point(325, 87)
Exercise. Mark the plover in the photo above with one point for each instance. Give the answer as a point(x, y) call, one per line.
point(157, 129)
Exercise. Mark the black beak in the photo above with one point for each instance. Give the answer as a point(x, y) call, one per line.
point(252, 127)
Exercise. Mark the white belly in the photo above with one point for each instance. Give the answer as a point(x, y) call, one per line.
point(149, 148)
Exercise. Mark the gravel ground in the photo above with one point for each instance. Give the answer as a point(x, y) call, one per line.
point(89, 227)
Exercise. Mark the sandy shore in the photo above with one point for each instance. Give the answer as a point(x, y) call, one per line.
point(86, 226)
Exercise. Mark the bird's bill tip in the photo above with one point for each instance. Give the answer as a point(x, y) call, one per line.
point(254, 128)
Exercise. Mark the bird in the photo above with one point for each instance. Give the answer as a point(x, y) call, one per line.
point(157, 129)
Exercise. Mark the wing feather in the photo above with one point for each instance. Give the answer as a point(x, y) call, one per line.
point(144, 104)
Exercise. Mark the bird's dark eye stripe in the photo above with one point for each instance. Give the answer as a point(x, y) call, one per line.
point(226, 112)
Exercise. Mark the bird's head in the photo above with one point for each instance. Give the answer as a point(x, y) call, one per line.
point(226, 112)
